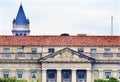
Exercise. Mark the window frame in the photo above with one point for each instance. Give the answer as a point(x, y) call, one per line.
point(80, 50)
point(107, 50)
point(6, 50)
point(109, 75)
point(93, 50)
point(6, 74)
point(33, 50)
point(20, 50)
point(33, 72)
point(51, 50)
point(20, 72)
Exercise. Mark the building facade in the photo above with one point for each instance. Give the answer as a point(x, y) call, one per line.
point(59, 58)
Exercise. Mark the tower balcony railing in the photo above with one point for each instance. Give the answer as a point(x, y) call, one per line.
point(104, 56)
point(20, 55)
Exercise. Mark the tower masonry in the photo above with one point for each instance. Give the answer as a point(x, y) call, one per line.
point(21, 24)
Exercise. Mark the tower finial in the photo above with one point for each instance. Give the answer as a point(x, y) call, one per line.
point(21, 3)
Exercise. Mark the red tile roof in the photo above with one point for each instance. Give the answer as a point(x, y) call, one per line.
point(60, 41)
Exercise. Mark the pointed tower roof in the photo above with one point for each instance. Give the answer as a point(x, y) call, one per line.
point(21, 18)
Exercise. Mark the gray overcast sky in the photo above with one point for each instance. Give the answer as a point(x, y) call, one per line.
point(53, 17)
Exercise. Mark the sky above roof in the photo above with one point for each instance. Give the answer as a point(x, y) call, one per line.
point(54, 17)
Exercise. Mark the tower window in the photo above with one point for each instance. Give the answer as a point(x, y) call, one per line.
point(24, 34)
point(20, 34)
point(16, 34)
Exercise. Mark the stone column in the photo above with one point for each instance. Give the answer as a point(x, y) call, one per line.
point(73, 76)
point(44, 79)
point(59, 76)
point(88, 76)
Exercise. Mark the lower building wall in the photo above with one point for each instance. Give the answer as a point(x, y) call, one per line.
point(97, 70)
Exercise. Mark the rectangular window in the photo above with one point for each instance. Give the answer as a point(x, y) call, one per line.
point(6, 50)
point(80, 50)
point(34, 50)
point(51, 50)
point(108, 74)
point(119, 50)
point(33, 74)
point(93, 50)
point(5, 74)
point(19, 74)
point(51, 74)
point(119, 75)
point(20, 50)
point(107, 50)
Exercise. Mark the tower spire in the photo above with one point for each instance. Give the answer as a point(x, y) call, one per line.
point(111, 25)
point(20, 24)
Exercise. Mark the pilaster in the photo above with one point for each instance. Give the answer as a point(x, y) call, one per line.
point(59, 76)
point(44, 79)
point(89, 76)
point(74, 76)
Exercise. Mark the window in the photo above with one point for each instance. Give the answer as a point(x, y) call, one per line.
point(119, 50)
point(119, 75)
point(93, 50)
point(80, 50)
point(5, 74)
point(81, 74)
point(33, 74)
point(34, 50)
point(20, 50)
point(107, 74)
point(19, 74)
point(107, 50)
point(51, 50)
point(51, 74)
point(66, 74)
point(6, 50)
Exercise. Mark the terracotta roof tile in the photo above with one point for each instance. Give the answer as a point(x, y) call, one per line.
point(59, 40)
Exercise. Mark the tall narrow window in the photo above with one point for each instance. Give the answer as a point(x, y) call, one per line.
point(80, 50)
point(93, 50)
point(19, 74)
point(107, 50)
point(6, 50)
point(51, 50)
point(34, 50)
point(5, 74)
point(20, 50)
point(108, 74)
point(33, 74)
